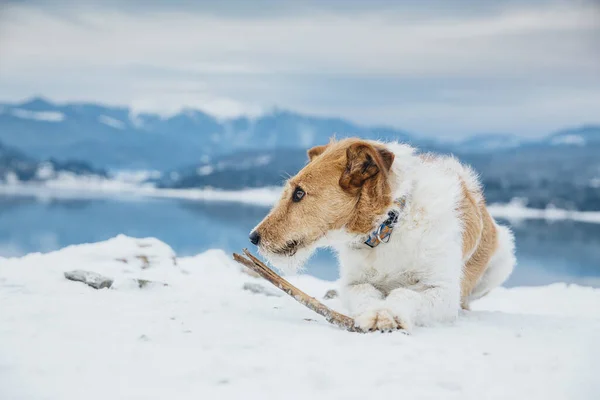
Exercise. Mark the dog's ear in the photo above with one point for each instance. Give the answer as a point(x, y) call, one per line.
point(364, 162)
point(316, 151)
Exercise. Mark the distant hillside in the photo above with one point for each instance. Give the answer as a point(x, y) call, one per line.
point(15, 166)
point(487, 143)
point(565, 177)
point(585, 135)
point(248, 169)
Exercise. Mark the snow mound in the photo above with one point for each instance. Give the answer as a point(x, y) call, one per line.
point(205, 336)
point(122, 258)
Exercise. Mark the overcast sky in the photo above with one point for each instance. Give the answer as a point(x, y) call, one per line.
point(439, 68)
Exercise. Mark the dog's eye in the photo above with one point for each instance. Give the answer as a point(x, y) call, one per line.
point(298, 194)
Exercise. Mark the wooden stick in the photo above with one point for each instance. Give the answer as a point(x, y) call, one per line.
point(330, 315)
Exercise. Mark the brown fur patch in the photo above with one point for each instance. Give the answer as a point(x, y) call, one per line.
point(366, 176)
point(316, 151)
point(479, 242)
point(346, 184)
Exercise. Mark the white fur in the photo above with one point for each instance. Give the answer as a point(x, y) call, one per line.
point(291, 265)
point(416, 276)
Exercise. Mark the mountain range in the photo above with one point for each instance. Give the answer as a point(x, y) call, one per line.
point(117, 138)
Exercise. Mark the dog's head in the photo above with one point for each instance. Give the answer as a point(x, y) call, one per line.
point(345, 186)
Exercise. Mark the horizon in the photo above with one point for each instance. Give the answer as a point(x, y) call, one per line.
point(441, 69)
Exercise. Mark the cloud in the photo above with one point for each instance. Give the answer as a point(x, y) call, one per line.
point(427, 68)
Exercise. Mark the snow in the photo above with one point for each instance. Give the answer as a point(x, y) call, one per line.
point(575, 140)
point(514, 211)
point(262, 160)
point(307, 135)
point(48, 116)
point(45, 171)
point(136, 119)
point(70, 186)
point(203, 336)
point(11, 178)
point(136, 176)
point(204, 170)
point(112, 122)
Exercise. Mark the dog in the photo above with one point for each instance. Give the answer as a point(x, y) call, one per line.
point(414, 239)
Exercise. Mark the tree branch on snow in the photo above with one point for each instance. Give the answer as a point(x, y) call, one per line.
point(267, 273)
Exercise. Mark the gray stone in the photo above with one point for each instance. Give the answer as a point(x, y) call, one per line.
point(90, 278)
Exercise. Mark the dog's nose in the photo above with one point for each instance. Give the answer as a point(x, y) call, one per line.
point(254, 238)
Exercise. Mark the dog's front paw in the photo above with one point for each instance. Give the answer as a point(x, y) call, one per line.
point(382, 320)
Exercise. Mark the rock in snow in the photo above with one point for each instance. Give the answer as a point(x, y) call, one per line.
point(204, 337)
point(92, 279)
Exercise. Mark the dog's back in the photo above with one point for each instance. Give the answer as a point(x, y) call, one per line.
point(488, 248)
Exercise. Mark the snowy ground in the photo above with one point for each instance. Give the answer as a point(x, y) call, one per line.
point(204, 337)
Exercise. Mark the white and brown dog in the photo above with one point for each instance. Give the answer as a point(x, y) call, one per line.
point(412, 233)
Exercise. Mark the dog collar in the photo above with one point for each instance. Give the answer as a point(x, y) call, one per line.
point(384, 231)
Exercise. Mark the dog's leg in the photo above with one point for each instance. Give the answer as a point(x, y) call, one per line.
point(436, 298)
point(360, 297)
point(433, 304)
point(436, 295)
point(403, 308)
point(366, 305)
